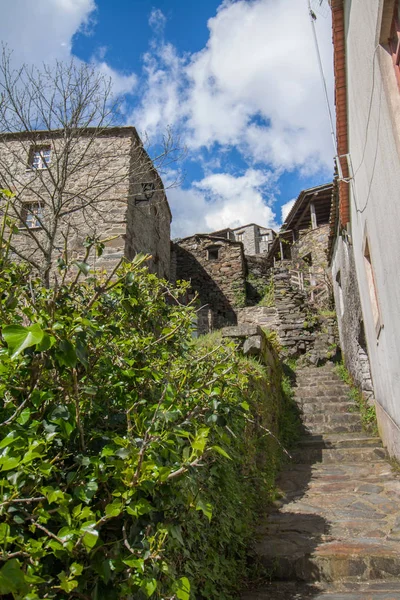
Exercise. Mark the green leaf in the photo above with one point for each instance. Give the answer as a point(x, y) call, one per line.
point(140, 507)
point(176, 533)
point(9, 439)
point(24, 416)
point(76, 569)
point(205, 507)
point(66, 583)
point(7, 463)
point(82, 353)
point(200, 441)
point(66, 354)
point(90, 534)
point(60, 412)
point(45, 344)
point(7, 193)
point(52, 494)
point(83, 267)
point(12, 578)
point(137, 563)
point(221, 451)
point(149, 586)
point(4, 533)
point(18, 337)
point(182, 588)
point(87, 492)
point(114, 509)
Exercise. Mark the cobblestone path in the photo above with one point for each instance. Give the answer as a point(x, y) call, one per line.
point(335, 534)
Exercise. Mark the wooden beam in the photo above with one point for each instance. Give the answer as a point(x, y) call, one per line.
point(313, 216)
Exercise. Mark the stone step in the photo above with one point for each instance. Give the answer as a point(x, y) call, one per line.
point(342, 456)
point(387, 590)
point(321, 400)
point(313, 373)
point(304, 558)
point(315, 407)
point(326, 423)
point(322, 381)
point(341, 440)
point(320, 391)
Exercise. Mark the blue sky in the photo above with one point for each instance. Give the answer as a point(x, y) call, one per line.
point(238, 80)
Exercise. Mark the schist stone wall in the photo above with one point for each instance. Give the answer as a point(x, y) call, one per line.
point(254, 238)
point(111, 190)
point(312, 242)
point(216, 269)
point(350, 319)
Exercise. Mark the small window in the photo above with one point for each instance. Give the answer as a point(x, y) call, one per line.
point(212, 253)
point(239, 236)
point(32, 215)
point(371, 287)
point(148, 189)
point(40, 157)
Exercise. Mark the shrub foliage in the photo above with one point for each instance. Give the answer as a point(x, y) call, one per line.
point(125, 468)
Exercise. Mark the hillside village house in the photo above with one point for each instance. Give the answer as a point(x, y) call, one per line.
point(303, 240)
point(94, 183)
point(255, 238)
point(365, 253)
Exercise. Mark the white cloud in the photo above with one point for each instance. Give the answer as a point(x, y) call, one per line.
point(255, 85)
point(162, 93)
point(286, 208)
point(223, 200)
point(122, 84)
point(157, 20)
point(40, 32)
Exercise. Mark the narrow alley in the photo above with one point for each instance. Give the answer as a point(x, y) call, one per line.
point(335, 533)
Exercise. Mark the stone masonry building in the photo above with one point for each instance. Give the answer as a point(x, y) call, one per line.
point(216, 268)
point(255, 239)
point(91, 183)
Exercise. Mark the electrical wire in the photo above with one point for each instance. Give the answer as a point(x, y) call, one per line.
point(321, 69)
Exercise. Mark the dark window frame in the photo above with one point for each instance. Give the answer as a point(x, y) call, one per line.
point(213, 253)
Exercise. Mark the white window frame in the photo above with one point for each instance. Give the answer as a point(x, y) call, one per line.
point(40, 158)
point(32, 215)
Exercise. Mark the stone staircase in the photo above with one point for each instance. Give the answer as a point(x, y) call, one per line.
point(335, 533)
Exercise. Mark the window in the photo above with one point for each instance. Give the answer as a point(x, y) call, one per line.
point(32, 215)
point(40, 157)
point(371, 287)
point(212, 253)
point(394, 40)
point(148, 189)
point(239, 236)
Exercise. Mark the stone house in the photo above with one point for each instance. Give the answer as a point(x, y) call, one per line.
point(365, 249)
point(303, 241)
point(216, 268)
point(255, 238)
point(96, 183)
point(226, 268)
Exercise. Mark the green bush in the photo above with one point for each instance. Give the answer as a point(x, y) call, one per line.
point(127, 457)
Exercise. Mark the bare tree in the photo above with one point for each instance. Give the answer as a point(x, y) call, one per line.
point(71, 166)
